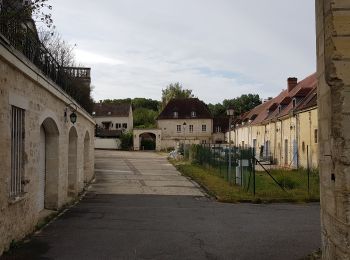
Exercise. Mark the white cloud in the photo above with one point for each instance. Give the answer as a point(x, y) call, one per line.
point(137, 47)
point(92, 58)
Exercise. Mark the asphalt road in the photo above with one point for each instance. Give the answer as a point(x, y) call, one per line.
point(156, 226)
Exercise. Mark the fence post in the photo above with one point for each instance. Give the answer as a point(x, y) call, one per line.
point(253, 162)
point(308, 170)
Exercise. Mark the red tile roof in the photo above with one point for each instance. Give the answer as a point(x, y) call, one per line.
point(270, 109)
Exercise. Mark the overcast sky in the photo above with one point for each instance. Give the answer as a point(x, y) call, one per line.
point(218, 48)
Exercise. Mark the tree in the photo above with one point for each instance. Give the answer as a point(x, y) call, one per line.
point(243, 104)
point(217, 110)
point(175, 90)
point(38, 10)
point(144, 118)
point(62, 51)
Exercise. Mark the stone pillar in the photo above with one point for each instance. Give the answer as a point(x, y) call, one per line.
point(333, 72)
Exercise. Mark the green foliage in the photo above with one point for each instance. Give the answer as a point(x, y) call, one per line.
point(243, 103)
point(39, 10)
point(175, 90)
point(145, 118)
point(217, 110)
point(126, 140)
point(145, 111)
point(240, 104)
point(136, 103)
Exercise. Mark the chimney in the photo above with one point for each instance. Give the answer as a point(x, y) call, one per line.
point(292, 82)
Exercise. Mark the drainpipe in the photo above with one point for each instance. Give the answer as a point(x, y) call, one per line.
point(275, 142)
point(297, 129)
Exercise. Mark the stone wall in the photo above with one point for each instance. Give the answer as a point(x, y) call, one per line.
point(24, 86)
point(333, 72)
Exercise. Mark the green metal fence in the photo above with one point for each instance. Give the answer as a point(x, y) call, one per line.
point(217, 158)
point(252, 175)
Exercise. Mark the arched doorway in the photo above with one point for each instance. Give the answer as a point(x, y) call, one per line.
point(72, 163)
point(48, 171)
point(87, 157)
point(148, 141)
point(144, 137)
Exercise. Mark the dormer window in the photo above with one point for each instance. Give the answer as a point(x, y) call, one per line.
point(294, 101)
point(93, 113)
point(279, 109)
point(193, 114)
point(176, 114)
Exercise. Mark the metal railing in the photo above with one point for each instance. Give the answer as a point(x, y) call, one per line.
point(25, 40)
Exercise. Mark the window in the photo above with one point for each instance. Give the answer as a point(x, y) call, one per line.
point(303, 147)
point(178, 128)
point(93, 113)
point(204, 128)
point(193, 114)
point(279, 109)
point(191, 128)
point(17, 150)
point(106, 125)
point(125, 126)
point(204, 141)
point(294, 101)
point(316, 136)
point(109, 113)
point(176, 114)
point(218, 129)
point(118, 125)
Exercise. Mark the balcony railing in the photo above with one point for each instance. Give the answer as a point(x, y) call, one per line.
point(22, 38)
point(78, 72)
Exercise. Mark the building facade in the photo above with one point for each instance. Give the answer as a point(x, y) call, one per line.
point(185, 121)
point(114, 116)
point(46, 159)
point(283, 130)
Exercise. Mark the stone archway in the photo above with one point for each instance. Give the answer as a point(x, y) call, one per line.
point(139, 134)
point(72, 163)
point(148, 141)
point(49, 164)
point(87, 163)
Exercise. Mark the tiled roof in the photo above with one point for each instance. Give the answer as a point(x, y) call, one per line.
point(111, 110)
point(184, 108)
point(269, 110)
point(309, 101)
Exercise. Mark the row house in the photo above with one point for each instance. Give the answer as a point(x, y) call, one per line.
point(283, 130)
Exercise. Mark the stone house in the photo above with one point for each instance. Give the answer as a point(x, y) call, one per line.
point(46, 136)
point(185, 121)
point(281, 128)
point(114, 116)
point(111, 121)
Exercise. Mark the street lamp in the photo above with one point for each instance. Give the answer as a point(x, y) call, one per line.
point(230, 112)
point(184, 126)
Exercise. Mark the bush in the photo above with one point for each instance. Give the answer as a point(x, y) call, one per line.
point(126, 140)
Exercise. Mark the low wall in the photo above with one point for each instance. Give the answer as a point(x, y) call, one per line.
point(107, 143)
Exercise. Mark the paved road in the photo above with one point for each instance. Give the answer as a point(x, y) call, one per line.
point(139, 173)
point(117, 225)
